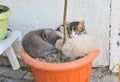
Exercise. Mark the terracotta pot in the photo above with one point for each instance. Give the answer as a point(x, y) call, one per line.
point(75, 71)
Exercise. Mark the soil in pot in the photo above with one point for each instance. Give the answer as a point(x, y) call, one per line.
point(73, 49)
point(58, 57)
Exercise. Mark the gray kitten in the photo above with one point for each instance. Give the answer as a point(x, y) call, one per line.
point(40, 42)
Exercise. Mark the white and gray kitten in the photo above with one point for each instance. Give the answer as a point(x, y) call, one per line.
point(79, 43)
point(73, 28)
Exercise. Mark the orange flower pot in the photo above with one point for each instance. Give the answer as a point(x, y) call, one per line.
point(75, 71)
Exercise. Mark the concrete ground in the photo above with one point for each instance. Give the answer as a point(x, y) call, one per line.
point(23, 75)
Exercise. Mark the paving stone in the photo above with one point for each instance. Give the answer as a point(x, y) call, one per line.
point(15, 80)
point(9, 75)
point(100, 72)
point(29, 76)
point(17, 46)
point(93, 79)
point(103, 75)
point(110, 78)
point(4, 61)
point(8, 72)
point(1, 79)
point(96, 74)
point(22, 63)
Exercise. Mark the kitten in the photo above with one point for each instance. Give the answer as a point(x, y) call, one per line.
point(74, 28)
point(40, 42)
point(80, 45)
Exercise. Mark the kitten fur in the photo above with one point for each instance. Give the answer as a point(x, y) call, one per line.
point(73, 28)
point(80, 45)
point(40, 42)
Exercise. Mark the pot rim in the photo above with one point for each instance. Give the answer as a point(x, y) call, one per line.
point(59, 66)
point(5, 14)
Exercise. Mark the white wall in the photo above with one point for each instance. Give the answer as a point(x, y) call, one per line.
point(33, 14)
point(115, 36)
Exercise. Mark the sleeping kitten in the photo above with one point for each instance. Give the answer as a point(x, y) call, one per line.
point(40, 42)
point(74, 28)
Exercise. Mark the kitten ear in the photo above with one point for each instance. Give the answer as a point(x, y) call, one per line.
point(46, 33)
point(81, 26)
point(82, 21)
point(44, 36)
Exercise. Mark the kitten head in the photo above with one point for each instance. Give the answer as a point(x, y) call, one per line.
point(50, 36)
point(76, 28)
point(73, 28)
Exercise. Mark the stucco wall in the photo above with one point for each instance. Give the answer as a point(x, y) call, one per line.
point(34, 14)
point(115, 37)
